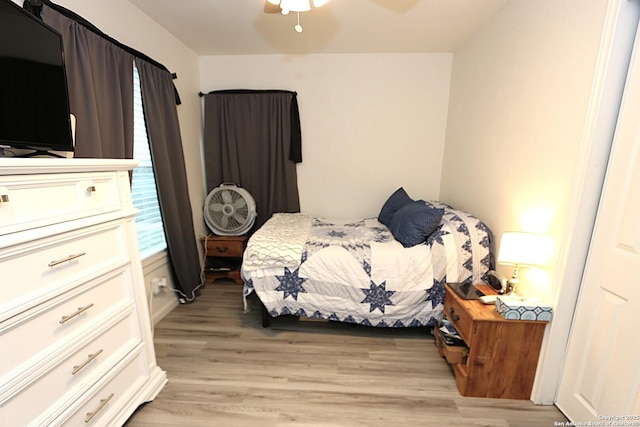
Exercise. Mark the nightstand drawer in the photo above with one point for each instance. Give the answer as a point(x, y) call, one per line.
point(453, 354)
point(225, 248)
point(459, 317)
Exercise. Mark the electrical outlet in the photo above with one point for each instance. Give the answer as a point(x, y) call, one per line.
point(156, 285)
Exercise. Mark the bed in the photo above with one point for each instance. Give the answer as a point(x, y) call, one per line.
point(365, 271)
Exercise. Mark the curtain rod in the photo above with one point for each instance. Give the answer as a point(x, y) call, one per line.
point(238, 91)
point(35, 8)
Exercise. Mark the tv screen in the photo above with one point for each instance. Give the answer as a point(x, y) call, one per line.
point(34, 103)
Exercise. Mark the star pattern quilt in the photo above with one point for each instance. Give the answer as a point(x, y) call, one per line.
point(356, 272)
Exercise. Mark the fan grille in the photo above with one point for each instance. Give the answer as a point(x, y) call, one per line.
point(229, 210)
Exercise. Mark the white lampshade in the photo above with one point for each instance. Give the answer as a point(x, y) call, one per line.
point(295, 5)
point(520, 248)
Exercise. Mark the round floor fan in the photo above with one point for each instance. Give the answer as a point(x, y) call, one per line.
point(229, 210)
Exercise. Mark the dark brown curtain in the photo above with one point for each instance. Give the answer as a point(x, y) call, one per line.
point(163, 128)
point(252, 138)
point(100, 80)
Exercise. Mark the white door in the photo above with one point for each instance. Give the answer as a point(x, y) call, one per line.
point(602, 372)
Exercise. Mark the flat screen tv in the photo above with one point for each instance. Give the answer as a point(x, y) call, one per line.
point(34, 101)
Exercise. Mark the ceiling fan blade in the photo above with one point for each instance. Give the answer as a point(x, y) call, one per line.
point(270, 7)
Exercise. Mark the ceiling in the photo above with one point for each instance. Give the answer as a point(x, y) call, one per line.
point(240, 27)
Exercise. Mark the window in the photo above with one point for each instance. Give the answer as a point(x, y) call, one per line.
point(145, 197)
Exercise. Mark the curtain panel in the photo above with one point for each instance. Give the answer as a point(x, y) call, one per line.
point(165, 142)
point(252, 138)
point(100, 80)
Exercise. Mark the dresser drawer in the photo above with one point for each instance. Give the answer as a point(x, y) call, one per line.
point(36, 271)
point(460, 317)
point(37, 200)
point(110, 397)
point(59, 321)
point(69, 375)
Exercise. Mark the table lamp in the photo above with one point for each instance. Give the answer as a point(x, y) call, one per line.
point(519, 249)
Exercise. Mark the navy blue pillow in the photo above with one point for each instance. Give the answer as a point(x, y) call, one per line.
point(396, 201)
point(413, 223)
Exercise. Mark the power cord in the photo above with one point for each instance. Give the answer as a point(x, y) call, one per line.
point(184, 298)
point(151, 310)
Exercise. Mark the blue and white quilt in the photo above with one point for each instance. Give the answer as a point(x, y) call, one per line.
point(356, 272)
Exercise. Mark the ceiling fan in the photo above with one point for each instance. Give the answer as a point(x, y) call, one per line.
point(286, 6)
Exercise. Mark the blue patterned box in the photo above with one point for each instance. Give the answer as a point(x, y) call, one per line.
point(518, 309)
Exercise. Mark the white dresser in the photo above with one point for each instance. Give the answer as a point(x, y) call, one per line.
point(76, 347)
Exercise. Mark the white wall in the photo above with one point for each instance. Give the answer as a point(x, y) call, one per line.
point(127, 24)
point(521, 99)
point(370, 122)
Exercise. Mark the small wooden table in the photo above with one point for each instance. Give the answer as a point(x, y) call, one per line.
point(223, 257)
point(502, 355)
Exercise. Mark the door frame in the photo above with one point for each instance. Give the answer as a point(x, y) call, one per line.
point(616, 46)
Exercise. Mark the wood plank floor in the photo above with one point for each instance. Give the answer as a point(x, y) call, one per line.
point(226, 370)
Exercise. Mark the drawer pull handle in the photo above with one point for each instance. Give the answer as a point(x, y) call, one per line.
point(103, 402)
point(91, 189)
point(78, 368)
point(222, 249)
point(69, 258)
point(77, 313)
point(455, 317)
point(4, 198)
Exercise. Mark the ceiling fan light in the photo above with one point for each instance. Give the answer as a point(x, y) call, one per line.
point(318, 3)
point(296, 5)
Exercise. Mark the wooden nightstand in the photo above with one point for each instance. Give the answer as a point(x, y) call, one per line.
point(502, 355)
point(224, 257)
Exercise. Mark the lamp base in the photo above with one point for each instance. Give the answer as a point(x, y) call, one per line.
point(513, 282)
